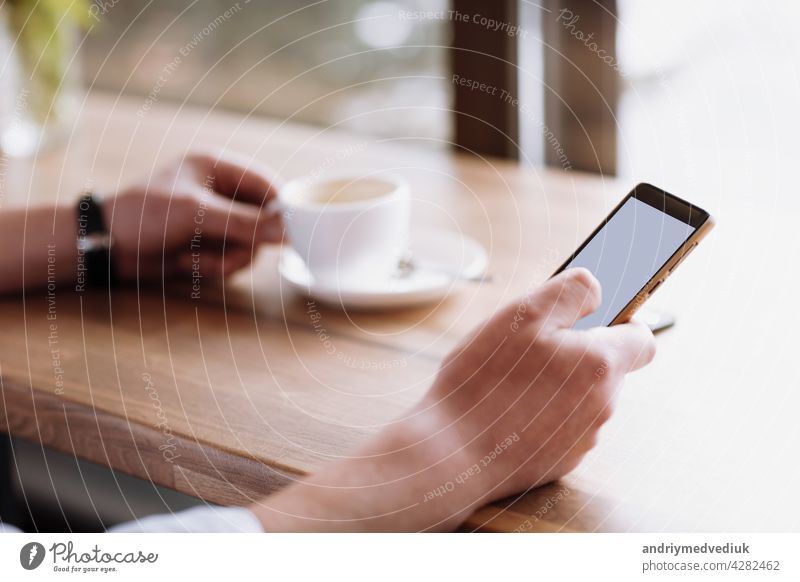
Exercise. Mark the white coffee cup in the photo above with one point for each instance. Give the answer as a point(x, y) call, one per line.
point(348, 228)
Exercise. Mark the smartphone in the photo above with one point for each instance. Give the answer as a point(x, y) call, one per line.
point(636, 248)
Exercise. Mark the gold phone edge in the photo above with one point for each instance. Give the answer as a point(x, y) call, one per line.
point(665, 271)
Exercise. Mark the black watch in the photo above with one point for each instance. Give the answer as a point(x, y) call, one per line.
point(95, 267)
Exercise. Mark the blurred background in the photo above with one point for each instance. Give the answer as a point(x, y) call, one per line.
point(348, 62)
point(706, 94)
point(681, 93)
point(700, 98)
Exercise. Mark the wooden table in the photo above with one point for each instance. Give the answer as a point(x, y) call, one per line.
point(233, 395)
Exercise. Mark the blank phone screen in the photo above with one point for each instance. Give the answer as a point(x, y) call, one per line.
point(625, 254)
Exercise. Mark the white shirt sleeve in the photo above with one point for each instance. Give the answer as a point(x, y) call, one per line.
point(204, 519)
point(209, 519)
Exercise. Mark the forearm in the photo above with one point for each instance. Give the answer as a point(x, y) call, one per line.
point(38, 247)
point(405, 479)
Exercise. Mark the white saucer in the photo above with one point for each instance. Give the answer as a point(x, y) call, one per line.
point(442, 261)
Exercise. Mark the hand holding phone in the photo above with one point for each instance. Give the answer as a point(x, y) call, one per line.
point(636, 248)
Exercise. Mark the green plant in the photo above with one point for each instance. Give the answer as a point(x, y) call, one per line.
point(42, 30)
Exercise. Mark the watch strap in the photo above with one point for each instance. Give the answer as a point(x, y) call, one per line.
point(95, 265)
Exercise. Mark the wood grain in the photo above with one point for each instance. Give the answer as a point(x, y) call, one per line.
point(233, 395)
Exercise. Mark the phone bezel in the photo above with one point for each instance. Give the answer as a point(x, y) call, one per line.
point(669, 204)
point(672, 205)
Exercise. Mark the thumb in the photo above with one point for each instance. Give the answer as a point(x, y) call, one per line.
point(565, 298)
point(632, 343)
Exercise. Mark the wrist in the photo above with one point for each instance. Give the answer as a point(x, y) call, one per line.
point(442, 478)
point(94, 244)
point(412, 476)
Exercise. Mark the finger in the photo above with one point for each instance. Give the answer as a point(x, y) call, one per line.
point(212, 264)
point(235, 260)
point(215, 245)
point(239, 177)
point(201, 265)
point(238, 223)
point(633, 344)
point(274, 232)
point(567, 297)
